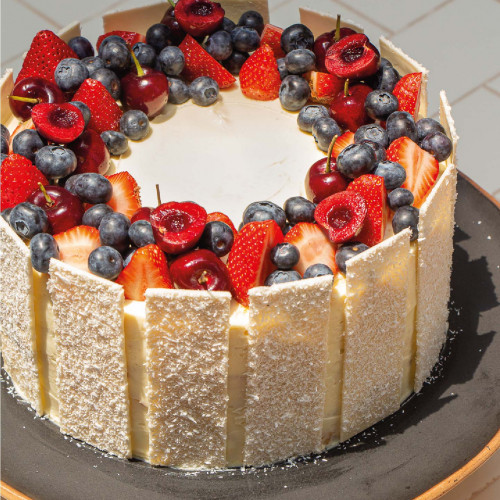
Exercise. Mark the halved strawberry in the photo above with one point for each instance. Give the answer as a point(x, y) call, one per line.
point(249, 261)
point(259, 75)
point(28, 124)
point(126, 197)
point(147, 269)
point(407, 90)
point(44, 54)
point(346, 139)
point(76, 244)
point(61, 123)
point(324, 86)
point(223, 218)
point(198, 62)
point(131, 37)
point(271, 35)
point(313, 244)
point(372, 189)
point(422, 169)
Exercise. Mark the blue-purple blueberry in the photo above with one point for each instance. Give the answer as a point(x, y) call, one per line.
point(279, 277)
point(27, 220)
point(43, 247)
point(285, 256)
point(217, 237)
point(406, 217)
point(106, 262)
point(323, 130)
point(55, 162)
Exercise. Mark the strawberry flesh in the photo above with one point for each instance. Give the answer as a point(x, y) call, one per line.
point(324, 86)
point(125, 198)
point(407, 90)
point(76, 244)
point(346, 139)
point(60, 123)
point(131, 37)
point(271, 35)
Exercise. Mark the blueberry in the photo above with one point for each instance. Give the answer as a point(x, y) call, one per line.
point(93, 216)
point(113, 231)
point(323, 131)
point(245, 39)
point(217, 237)
point(27, 143)
point(228, 25)
point(6, 214)
point(84, 109)
point(346, 252)
point(141, 233)
point(5, 132)
point(109, 79)
point(204, 91)
point(297, 36)
point(282, 68)
point(109, 39)
point(92, 188)
point(171, 60)
point(380, 153)
point(317, 270)
point(379, 104)
point(219, 45)
point(278, 277)
point(400, 197)
point(258, 209)
point(393, 173)
point(178, 91)
point(294, 92)
point(134, 124)
point(55, 162)
point(81, 46)
point(43, 247)
point(300, 61)
point(116, 142)
point(399, 124)
point(299, 209)
point(27, 220)
point(385, 63)
point(93, 63)
point(385, 78)
point(372, 132)
point(70, 74)
point(235, 61)
point(127, 256)
point(404, 217)
point(158, 36)
point(285, 255)
point(309, 114)
point(116, 56)
point(426, 126)
point(3, 156)
point(70, 182)
point(106, 262)
point(438, 145)
point(356, 160)
point(252, 19)
point(5, 146)
point(146, 55)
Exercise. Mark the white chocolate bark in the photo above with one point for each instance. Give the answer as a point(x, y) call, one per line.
point(449, 125)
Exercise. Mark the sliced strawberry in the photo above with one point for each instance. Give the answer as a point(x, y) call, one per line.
point(44, 54)
point(76, 244)
point(407, 90)
point(372, 189)
point(313, 244)
point(28, 124)
point(198, 62)
point(61, 123)
point(271, 35)
point(249, 261)
point(105, 113)
point(126, 197)
point(422, 169)
point(131, 37)
point(346, 139)
point(259, 76)
point(223, 218)
point(19, 178)
point(147, 269)
point(324, 86)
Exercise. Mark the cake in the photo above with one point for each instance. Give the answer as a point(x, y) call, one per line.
point(192, 379)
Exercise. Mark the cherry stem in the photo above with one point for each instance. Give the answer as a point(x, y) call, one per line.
point(346, 88)
point(158, 194)
point(172, 3)
point(337, 29)
point(329, 158)
point(49, 200)
point(32, 100)
point(140, 71)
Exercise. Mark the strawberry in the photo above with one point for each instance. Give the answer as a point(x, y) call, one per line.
point(313, 244)
point(249, 261)
point(198, 62)
point(259, 75)
point(422, 169)
point(407, 90)
point(324, 86)
point(271, 35)
point(147, 269)
point(372, 189)
point(19, 178)
point(131, 37)
point(223, 218)
point(28, 124)
point(76, 244)
point(105, 113)
point(44, 54)
point(346, 139)
point(126, 198)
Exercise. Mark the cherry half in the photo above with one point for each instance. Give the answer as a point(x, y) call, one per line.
point(348, 106)
point(177, 34)
point(199, 17)
point(92, 155)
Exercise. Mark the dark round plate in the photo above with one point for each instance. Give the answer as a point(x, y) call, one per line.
point(430, 437)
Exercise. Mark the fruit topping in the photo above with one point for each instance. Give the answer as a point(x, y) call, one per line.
point(279, 277)
point(81, 46)
point(380, 104)
point(405, 217)
point(245, 39)
point(113, 231)
point(385, 78)
point(317, 270)
point(106, 262)
point(407, 91)
point(298, 209)
point(264, 210)
point(297, 36)
point(438, 145)
point(399, 124)
point(27, 220)
point(217, 237)
point(55, 162)
point(94, 215)
point(84, 110)
point(177, 34)
point(204, 91)
point(125, 198)
point(300, 61)
point(27, 143)
point(324, 86)
point(147, 269)
point(356, 160)
point(141, 233)
point(348, 106)
point(372, 132)
point(200, 270)
point(294, 92)
point(91, 153)
point(346, 139)
point(426, 126)
point(285, 256)
point(146, 55)
point(76, 244)
point(158, 37)
point(271, 35)
point(346, 252)
point(70, 74)
point(223, 218)
point(43, 247)
point(131, 37)
point(199, 17)
point(393, 174)
point(309, 114)
point(116, 142)
point(171, 59)
point(252, 19)
point(235, 62)
point(90, 188)
point(134, 124)
point(61, 123)
point(400, 197)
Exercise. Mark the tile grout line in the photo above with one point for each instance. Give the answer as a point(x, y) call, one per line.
point(489, 89)
point(40, 14)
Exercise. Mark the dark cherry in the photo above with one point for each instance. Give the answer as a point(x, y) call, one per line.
point(144, 213)
point(348, 106)
point(177, 34)
point(323, 43)
point(199, 17)
point(92, 155)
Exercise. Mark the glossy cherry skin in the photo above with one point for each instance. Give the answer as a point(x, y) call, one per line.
point(144, 213)
point(35, 88)
point(320, 184)
point(65, 211)
point(200, 270)
point(323, 42)
point(148, 93)
point(177, 34)
point(92, 155)
point(349, 110)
